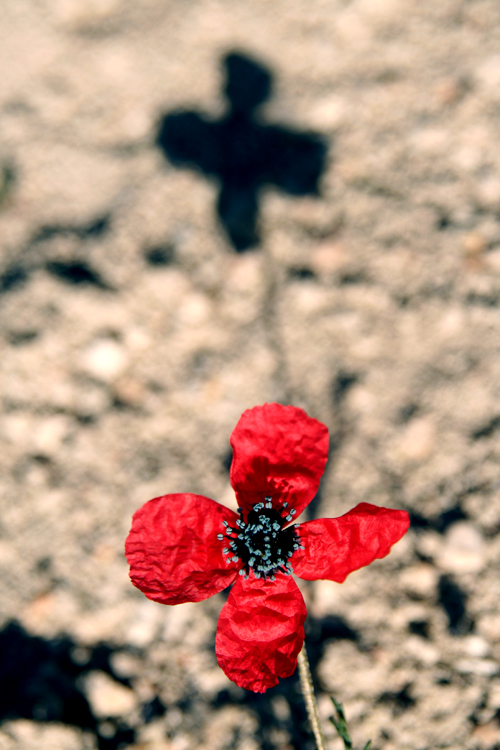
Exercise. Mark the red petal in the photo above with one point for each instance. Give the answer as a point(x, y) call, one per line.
point(334, 547)
point(260, 632)
point(173, 550)
point(279, 452)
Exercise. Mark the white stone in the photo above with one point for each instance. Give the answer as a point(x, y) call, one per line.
point(485, 667)
point(463, 549)
point(104, 360)
point(489, 191)
point(326, 598)
point(107, 697)
point(419, 580)
point(152, 736)
point(475, 646)
point(488, 625)
point(488, 73)
point(429, 544)
point(181, 742)
point(418, 439)
point(178, 620)
point(422, 651)
point(146, 623)
point(194, 310)
point(51, 433)
point(430, 140)
point(124, 664)
point(329, 112)
point(281, 707)
point(78, 13)
point(494, 695)
point(329, 256)
point(33, 735)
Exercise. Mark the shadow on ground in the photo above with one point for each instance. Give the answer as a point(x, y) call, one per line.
point(243, 153)
point(41, 680)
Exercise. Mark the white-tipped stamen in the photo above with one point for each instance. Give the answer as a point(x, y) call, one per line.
point(262, 544)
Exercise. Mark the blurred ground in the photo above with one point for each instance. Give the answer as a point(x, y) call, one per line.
point(133, 335)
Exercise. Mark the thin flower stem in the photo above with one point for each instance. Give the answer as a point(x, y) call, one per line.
point(309, 697)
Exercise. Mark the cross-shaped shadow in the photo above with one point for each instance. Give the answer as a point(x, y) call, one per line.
point(242, 152)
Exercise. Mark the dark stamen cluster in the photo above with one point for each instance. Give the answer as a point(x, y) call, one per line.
point(261, 543)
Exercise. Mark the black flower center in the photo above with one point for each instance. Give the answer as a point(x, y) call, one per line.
point(261, 543)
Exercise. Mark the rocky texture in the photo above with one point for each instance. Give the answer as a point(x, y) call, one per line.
point(133, 336)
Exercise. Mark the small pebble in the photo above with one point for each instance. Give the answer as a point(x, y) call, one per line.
point(104, 360)
point(418, 440)
point(484, 667)
point(474, 244)
point(419, 580)
point(463, 549)
point(107, 697)
point(475, 646)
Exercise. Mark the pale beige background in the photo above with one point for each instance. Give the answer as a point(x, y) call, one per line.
point(112, 397)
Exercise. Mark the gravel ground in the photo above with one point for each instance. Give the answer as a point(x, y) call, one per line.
point(135, 329)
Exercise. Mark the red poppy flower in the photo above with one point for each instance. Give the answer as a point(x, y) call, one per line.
point(185, 548)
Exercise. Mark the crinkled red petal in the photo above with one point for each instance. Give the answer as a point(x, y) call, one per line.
point(334, 547)
point(260, 631)
point(173, 550)
point(280, 452)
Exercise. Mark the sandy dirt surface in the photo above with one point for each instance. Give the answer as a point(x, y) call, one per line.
point(134, 334)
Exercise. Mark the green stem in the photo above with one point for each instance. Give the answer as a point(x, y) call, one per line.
point(309, 698)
